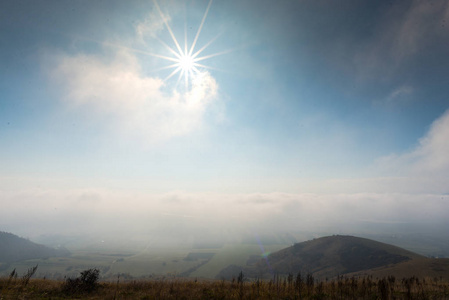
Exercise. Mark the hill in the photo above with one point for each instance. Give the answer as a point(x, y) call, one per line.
point(14, 248)
point(331, 256)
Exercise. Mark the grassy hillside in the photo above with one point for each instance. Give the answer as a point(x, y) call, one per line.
point(231, 254)
point(325, 257)
point(14, 248)
point(420, 267)
point(281, 288)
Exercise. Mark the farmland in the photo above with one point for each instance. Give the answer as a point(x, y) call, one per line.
point(144, 263)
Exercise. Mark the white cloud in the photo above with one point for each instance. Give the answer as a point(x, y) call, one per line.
point(429, 159)
point(118, 92)
point(422, 170)
point(431, 156)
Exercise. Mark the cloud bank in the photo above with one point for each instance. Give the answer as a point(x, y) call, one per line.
point(102, 212)
point(118, 93)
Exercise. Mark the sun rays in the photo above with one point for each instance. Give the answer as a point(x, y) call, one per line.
point(185, 60)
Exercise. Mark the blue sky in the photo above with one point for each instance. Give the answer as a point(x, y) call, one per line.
point(299, 98)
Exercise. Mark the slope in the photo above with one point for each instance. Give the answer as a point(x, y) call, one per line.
point(14, 248)
point(325, 257)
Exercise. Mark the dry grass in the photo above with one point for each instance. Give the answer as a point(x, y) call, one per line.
point(280, 288)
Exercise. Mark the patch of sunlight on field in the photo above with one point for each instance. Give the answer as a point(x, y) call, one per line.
point(154, 262)
point(232, 254)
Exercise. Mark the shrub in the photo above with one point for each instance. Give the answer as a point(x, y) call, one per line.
point(86, 283)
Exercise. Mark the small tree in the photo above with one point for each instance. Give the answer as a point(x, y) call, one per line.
point(89, 278)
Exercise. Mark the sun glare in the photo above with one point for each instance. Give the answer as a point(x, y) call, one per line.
point(185, 62)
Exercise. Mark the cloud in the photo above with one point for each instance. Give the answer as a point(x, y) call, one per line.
point(419, 22)
point(424, 169)
point(131, 214)
point(429, 159)
point(151, 26)
point(431, 156)
point(398, 96)
point(405, 30)
point(400, 92)
point(117, 92)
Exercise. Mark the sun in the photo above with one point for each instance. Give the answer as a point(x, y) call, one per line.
point(185, 61)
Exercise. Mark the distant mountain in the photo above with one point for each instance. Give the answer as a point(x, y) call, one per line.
point(14, 248)
point(325, 257)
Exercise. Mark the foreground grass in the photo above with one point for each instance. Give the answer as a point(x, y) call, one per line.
point(288, 288)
